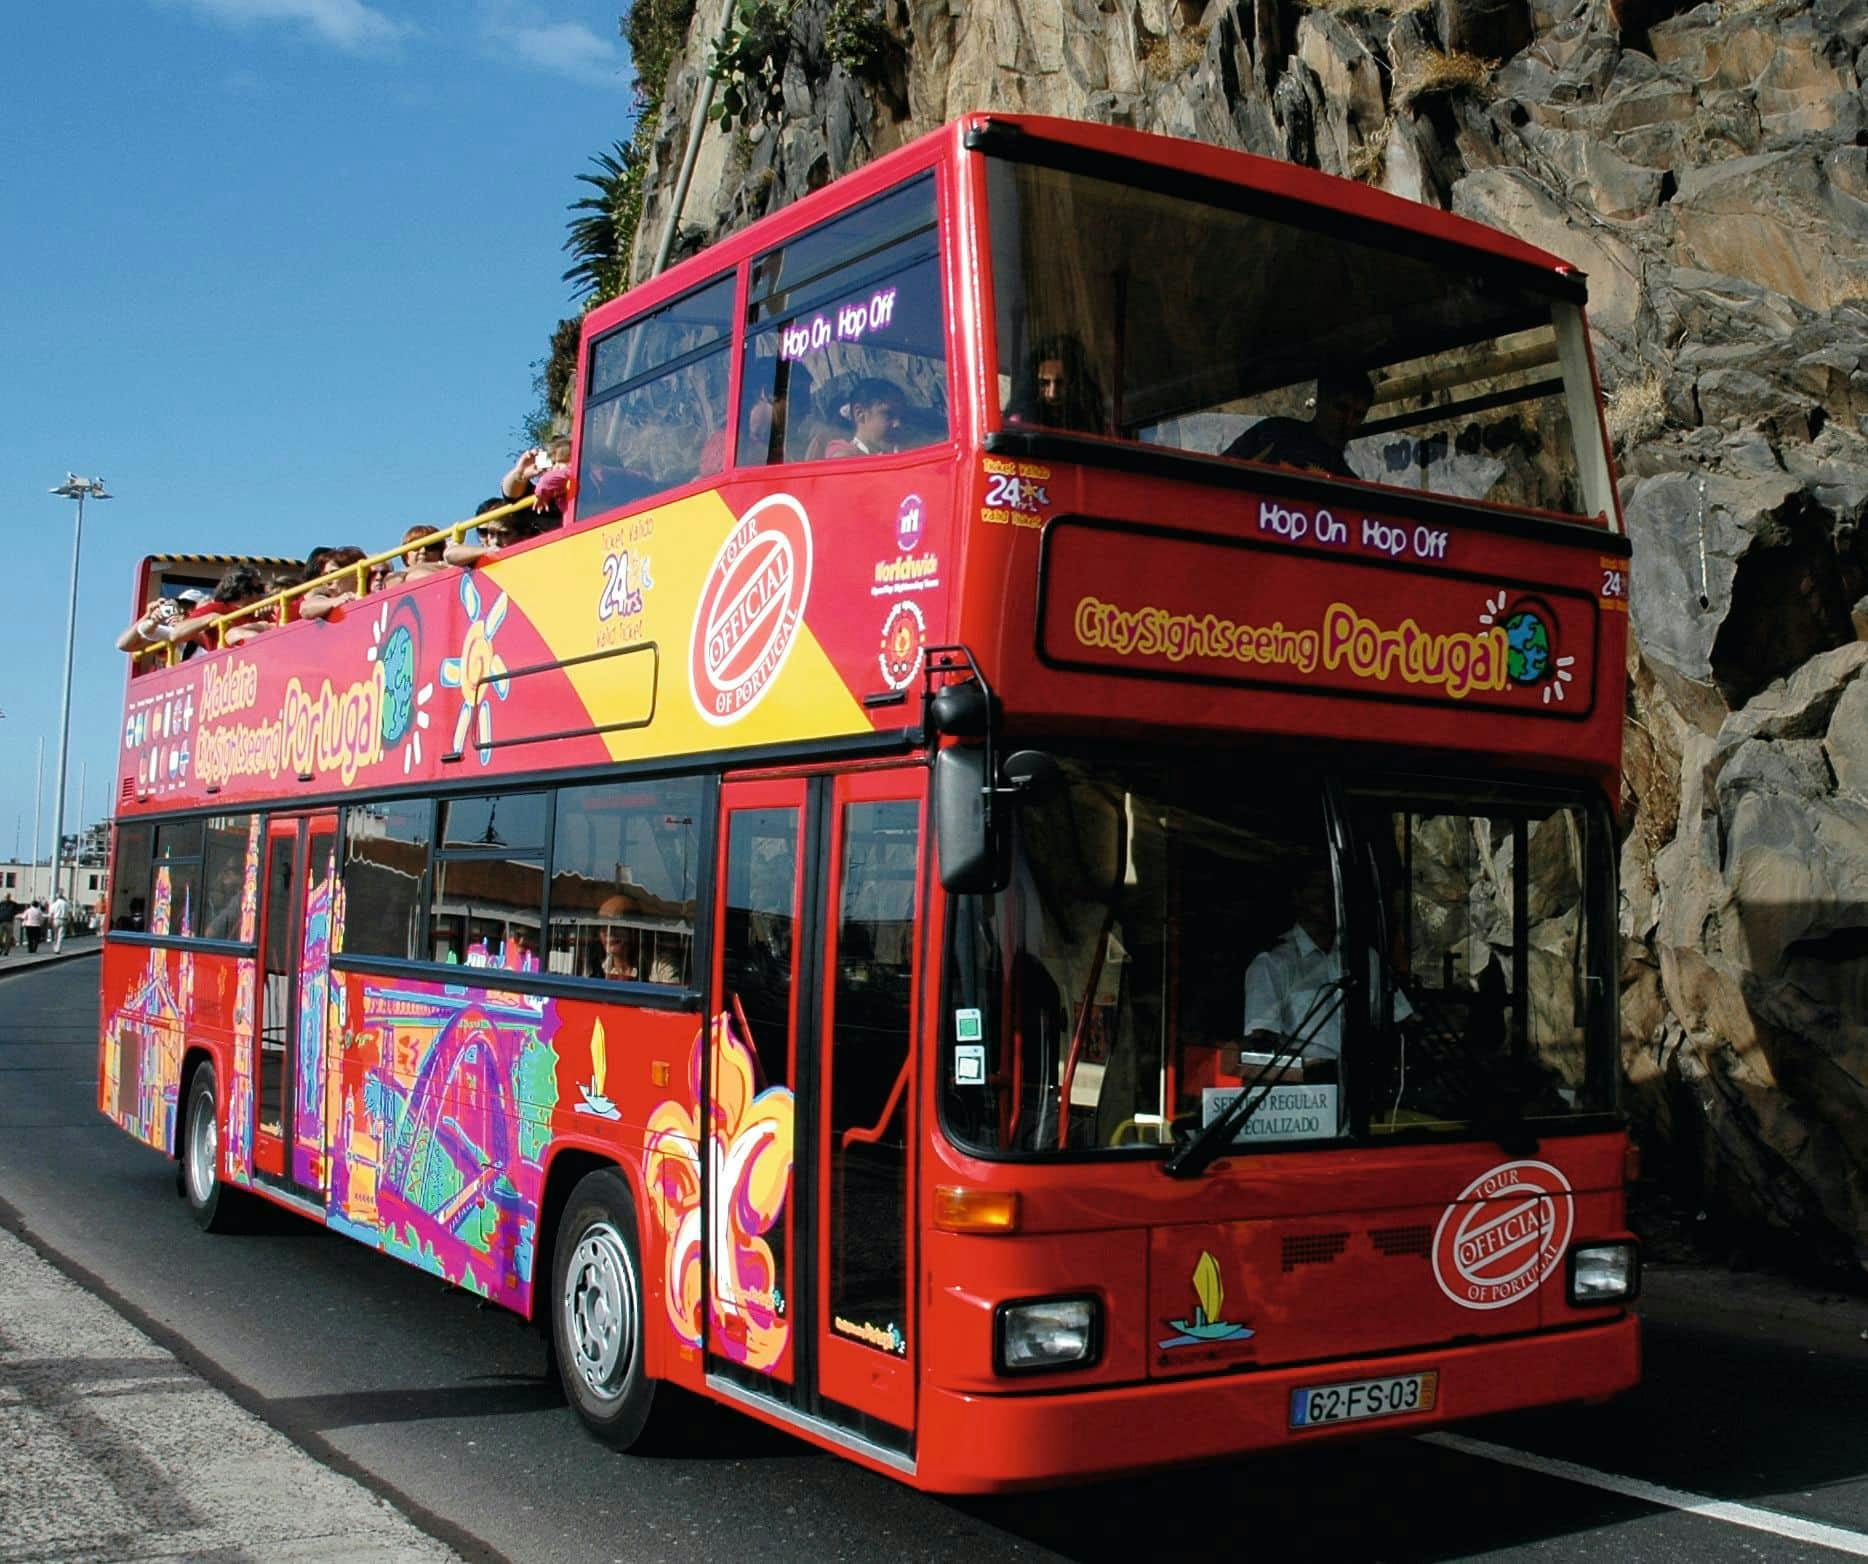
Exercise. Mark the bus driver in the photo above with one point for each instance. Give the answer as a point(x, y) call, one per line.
point(1293, 993)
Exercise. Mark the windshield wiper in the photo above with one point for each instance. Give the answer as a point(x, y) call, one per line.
point(1204, 1149)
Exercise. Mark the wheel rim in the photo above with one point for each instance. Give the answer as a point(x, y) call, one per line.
point(600, 1311)
point(203, 1151)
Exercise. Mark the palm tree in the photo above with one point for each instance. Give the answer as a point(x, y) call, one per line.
point(599, 238)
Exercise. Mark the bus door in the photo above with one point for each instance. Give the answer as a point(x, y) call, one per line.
point(295, 948)
point(758, 1282)
point(867, 1331)
point(812, 1045)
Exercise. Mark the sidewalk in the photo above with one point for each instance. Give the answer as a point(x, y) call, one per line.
point(76, 945)
point(112, 1450)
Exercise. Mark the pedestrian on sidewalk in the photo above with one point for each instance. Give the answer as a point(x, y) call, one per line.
point(32, 920)
point(60, 915)
point(9, 910)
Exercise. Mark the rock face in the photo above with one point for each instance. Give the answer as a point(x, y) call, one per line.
point(1708, 168)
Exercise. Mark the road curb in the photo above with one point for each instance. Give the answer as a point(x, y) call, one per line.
point(313, 1443)
point(34, 963)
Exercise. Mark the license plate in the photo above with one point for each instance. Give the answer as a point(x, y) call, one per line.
point(1363, 1398)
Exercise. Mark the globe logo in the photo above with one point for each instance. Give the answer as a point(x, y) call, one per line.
point(1527, 647)
point(397, 661)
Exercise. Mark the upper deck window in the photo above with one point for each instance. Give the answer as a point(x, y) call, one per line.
point(655, 406)
point(1205, 321)
point(846, 349)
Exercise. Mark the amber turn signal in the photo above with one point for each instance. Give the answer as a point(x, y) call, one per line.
point(961, 1210)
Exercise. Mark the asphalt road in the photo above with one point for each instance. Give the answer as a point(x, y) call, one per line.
point(443, 1406)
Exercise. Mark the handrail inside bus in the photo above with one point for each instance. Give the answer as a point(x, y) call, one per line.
point(359, 572)
point(855, 1137)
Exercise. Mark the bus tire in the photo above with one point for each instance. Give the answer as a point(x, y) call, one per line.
point(596, 1311)
point(211, 1203)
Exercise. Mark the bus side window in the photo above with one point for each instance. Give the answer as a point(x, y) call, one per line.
point(655, 408)
point(385, 876)
point(129, 880)
point(625, 858)
point(854, 301)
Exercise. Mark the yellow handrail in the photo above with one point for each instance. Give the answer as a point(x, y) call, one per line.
point(358, 572)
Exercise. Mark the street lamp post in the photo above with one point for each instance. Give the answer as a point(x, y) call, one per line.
point(79, 489)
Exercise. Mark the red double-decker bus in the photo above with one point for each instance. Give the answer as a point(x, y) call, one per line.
point(1025, 888)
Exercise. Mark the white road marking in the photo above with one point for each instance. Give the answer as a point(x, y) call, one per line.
point(1836, 1537)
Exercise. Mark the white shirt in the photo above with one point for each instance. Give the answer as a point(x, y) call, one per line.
point(1283, 982)
point(59, 910)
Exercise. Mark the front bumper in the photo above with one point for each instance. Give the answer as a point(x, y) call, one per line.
point(1001, 1443)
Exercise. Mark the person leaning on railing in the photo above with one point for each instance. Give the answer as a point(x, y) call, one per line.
point(424, 559)
point(331, 594)
point(505, 522)
point(173, 628)
point(238, 587)
point(145, 631)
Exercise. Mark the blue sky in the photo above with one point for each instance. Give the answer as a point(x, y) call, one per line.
point(276, 270)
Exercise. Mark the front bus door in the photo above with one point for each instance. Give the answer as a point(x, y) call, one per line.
point(295, 949)
point(809, 1302)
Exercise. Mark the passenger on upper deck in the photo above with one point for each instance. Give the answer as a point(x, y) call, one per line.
point(240, 586)
point(1317, 444)
point(144, 632)
point(545, 472)
point(419, 562)
point(1058, 390)
point(874, 409)
point(321, 601)
point(501, 532)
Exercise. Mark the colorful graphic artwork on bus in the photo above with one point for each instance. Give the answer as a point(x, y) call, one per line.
point(237, 1130)
point(748, 1146)
point(314, 983)
point(142, 1051)
point(396, 649)
point(1531, 656)
point(443, 1117)
point(479, 672)
point(735, 636)
point(166, 916)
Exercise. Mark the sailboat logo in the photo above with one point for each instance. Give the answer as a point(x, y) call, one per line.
point(594, 1101)
point(1206, 1326)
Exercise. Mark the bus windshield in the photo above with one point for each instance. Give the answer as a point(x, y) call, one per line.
point(1383, 961)
point(1144, 315)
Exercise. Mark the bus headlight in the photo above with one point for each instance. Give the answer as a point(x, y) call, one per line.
point(1604, 1273)
point(1047, 1333)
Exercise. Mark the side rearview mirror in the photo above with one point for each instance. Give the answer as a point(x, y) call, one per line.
point(963, 837)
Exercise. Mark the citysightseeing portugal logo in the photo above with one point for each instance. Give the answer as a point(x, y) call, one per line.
point(751, 609)
point(1505, 1234)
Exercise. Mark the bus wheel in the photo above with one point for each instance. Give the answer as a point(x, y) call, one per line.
point(213, 1206)
point(596, 1313)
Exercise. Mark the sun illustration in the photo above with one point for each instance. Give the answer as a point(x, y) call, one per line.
point(393, 649)
point(1529, 641)
point(478, 673)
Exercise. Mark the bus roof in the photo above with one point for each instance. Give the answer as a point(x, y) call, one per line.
point(1346, 199)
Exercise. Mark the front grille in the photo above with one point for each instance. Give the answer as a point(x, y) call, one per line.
point(1398, 1241)
point(1313, 1249)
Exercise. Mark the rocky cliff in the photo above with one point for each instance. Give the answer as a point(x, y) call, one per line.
point(1709, 170)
